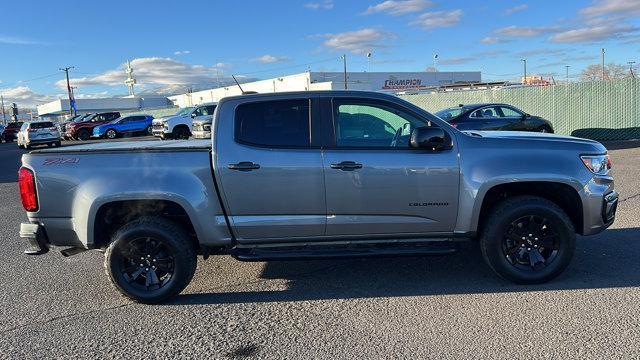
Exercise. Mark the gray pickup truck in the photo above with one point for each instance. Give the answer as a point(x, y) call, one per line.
point(312, 175)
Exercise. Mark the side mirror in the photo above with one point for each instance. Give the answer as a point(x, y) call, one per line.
point(432, 138)
point(525, 116)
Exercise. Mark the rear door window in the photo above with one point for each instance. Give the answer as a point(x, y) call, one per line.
point(275, 123)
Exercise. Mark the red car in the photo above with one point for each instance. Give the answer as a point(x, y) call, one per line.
point(82, 130)
point(11, 131)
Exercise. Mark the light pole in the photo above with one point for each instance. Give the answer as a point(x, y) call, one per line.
point(524, 78)
point(631, 68)
point(567, 69)
point(602, 66)
point(66, 71)
point(344, 62)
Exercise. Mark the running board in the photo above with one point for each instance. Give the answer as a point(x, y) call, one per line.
point(320, 252)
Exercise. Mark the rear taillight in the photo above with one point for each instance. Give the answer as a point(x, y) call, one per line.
point(32, 130)
point(27, 182)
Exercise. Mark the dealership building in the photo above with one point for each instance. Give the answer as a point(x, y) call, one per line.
point(391, 82)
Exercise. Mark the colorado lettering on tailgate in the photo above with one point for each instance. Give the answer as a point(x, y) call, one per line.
point(60, 161)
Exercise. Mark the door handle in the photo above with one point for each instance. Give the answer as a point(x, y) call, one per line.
point(244, 166)
point(346, 166)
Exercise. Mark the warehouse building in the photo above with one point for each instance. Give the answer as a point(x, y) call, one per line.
point(60, 107)
point(391, 82)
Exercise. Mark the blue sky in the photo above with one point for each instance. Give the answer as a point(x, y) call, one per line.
point(174, 45)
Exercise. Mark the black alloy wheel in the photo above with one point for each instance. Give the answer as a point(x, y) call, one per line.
point(527, 239)
point(530, 243)
point(150, 260)
point(146, 264)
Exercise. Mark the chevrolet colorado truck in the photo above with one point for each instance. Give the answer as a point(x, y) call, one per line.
point(315, 175)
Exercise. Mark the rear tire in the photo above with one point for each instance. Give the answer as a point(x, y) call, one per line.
point(528, 240)
point(129, 260)
point(149, 131)
point(545, 129)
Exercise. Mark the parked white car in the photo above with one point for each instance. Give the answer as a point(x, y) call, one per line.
point(178, 126)
point(38, 133)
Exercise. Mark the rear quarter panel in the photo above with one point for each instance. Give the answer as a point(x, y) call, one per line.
point(73, 186)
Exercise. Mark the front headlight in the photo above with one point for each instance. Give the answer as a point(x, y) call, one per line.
point(597, 164)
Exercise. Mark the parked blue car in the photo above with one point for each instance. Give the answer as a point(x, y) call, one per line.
point(130, 125)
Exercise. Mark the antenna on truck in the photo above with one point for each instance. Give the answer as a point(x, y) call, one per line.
point(242, 91)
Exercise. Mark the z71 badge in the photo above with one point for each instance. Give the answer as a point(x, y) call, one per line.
point(60, 161)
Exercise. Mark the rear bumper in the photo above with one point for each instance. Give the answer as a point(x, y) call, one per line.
point(35, 237)
point(42, 141)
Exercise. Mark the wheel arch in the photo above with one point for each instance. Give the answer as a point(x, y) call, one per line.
point(111, 215)
point(566, 196)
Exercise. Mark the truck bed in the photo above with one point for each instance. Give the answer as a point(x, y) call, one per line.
point(117, 146)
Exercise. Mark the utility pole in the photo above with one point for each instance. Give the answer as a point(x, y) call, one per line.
point(66, 71)
point(344, 62)
point(4, 119)
point(524, 79)
point(602, 66)
point(567, 68)
point(631, 68)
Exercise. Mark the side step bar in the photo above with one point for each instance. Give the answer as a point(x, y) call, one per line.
point(319, 252)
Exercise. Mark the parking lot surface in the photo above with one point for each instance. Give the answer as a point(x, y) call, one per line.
point(433, 307)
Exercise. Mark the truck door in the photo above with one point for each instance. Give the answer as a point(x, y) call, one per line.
point(376, 184)
point(270, 170)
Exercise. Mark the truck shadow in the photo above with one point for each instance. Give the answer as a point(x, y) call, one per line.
point(607, 260)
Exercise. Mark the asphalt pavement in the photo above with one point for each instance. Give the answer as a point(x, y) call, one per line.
point(433, 307)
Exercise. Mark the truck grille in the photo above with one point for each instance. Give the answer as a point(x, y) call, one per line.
point(158, 126)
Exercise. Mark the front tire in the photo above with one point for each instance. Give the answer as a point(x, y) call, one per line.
point(83, 135)
point(111, 134)
point(181, 133)
point(528, 240)
point(150, 260)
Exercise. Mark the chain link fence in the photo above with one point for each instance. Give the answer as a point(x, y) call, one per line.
point(599, 110)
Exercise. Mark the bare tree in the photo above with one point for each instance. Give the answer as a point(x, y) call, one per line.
point(611, 72)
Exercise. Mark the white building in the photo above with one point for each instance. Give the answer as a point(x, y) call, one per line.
point(374, 81)
point(61, 106)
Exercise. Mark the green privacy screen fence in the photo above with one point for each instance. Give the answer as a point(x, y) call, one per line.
point(599, 110)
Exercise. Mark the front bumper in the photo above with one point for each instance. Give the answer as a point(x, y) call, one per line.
point(35, 237)
point(201, 134)
point(600, 202)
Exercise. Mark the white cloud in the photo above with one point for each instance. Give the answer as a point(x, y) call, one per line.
point(456, 60)
point(527, 31)
point(621, 7)
point(13, 40)
point(269, 59)
point(592, 34)
point(437, 19)
point(516, 9)
point(324, 5)
point(182, 52)
point(398, 7)
point(493, 40)
point(358, 42)
point(165, 74)
point(24, 97)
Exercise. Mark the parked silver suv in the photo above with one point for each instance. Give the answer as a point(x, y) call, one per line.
point(38, 133)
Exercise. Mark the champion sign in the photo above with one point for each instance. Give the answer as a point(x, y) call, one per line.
point(394, 83)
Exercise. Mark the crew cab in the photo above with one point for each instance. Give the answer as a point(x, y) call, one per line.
point(82, 130)
point(315, 175)
point(178, 126)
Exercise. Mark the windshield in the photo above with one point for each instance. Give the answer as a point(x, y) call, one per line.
point(185, 111)
point(451, 113)
point(81, 118)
